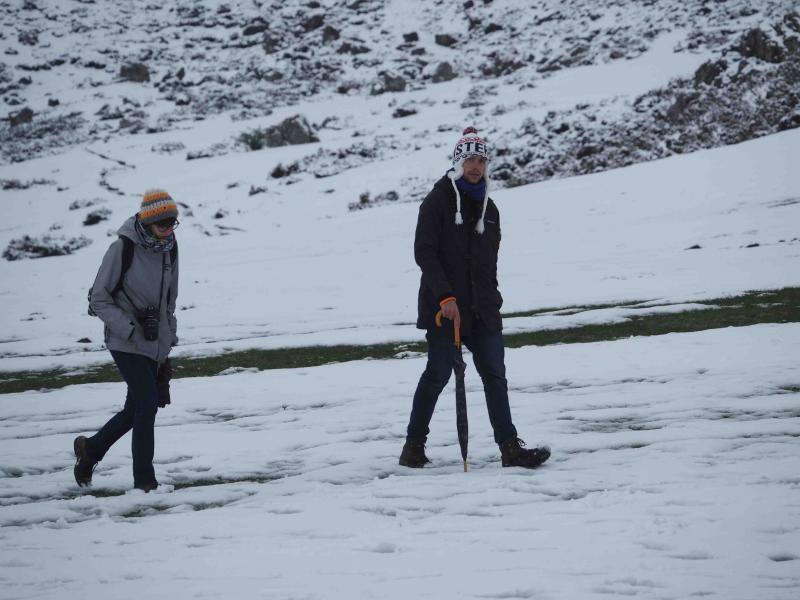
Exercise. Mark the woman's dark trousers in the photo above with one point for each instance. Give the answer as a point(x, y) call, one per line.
point(139, 414)
point(488, 353)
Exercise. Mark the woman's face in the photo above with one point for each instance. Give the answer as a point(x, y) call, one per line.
point(164, 228)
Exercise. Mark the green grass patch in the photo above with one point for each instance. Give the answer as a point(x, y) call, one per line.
point(775, 306)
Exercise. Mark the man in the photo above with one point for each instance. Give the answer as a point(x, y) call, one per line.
point(456, 246)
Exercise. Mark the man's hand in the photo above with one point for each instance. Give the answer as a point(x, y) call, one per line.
point(450, 311)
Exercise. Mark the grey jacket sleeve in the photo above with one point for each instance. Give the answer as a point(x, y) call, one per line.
point(173, 295)
point(119, 322)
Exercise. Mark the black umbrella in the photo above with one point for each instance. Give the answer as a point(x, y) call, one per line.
point(459, 367)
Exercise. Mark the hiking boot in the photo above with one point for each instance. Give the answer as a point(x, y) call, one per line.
point(515, 455)
point(146, 487)
point(85, 464)
point(413, 454)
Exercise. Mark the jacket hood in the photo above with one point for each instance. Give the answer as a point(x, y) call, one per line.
point(128, 230)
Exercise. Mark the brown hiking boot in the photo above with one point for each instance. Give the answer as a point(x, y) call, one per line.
point(85, 464)
point(515, 455)
point(413, 454)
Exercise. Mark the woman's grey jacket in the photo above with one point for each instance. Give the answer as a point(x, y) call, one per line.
point(151, 280)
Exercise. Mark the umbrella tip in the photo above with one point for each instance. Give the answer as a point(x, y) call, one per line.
point(465, 465)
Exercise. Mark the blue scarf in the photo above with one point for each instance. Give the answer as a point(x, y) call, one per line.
point(476, 191)
point(151, 242)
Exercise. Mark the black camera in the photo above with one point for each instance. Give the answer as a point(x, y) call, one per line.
point(149, 322)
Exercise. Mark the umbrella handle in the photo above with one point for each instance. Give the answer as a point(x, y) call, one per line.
point(456, 327)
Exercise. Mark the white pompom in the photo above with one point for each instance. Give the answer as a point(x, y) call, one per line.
point(459, 219)
point(479, 227)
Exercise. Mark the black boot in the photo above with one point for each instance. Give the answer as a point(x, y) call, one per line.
point(85, 464)
point(146, 487)
point(514, 455)
point(413, 454)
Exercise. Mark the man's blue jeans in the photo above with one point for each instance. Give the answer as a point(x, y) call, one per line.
point(488, 353)
point(139, 414)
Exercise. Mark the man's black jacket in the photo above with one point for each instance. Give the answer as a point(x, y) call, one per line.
point(456, 260)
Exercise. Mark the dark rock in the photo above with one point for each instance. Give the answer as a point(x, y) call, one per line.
point(468, 4)
point(218, 149)
point(220, 214)
point(84, 340)
point(563, 128)
point(255, 28)
point(587, 150)
point(28, 247)
point(270, 44)
point(418, 51)
point(107, 113)
point(792, 21)
point(616, 54)
point(445, 39)
point(753, 245)
point(348, 48)
point(388, 82)
point(53, 102)
point(313, 22)
point(96, 216)
point(181, 74)
point(500, 64)
point(16, 184)
point(682, 102)
point(365, 201)
point(280, 171)
point(709, 71)
point(28, 38)
point(758, 45)
point(256, 189)
point(401, 112)
point(291, 131)
point(444, 72)
point(411, 37)
point(695, 247)
point(789, 122)
point(95, 64)
point(492, 27)
point(330, 34)
point(135, 72)
point(20, 116)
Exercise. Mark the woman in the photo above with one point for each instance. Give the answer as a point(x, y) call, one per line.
point(134, 295)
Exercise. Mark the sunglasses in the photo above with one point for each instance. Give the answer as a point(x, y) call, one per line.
point(172, 223)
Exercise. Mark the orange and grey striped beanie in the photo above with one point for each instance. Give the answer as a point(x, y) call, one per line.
point(157, 205)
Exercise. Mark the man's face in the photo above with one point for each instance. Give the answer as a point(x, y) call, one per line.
point(474, 168)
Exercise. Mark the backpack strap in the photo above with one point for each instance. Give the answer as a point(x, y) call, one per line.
point(173, 257)
point(127, 259)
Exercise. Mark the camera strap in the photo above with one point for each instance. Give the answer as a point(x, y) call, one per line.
point(161, 288)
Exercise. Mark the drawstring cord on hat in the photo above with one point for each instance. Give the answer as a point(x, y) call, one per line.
point(456, 173)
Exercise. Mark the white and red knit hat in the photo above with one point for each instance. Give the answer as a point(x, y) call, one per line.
point(470, 144)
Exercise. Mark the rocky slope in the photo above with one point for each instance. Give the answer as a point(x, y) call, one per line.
point(86, 70)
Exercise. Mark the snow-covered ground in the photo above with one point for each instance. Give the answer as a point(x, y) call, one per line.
point(673, 475)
